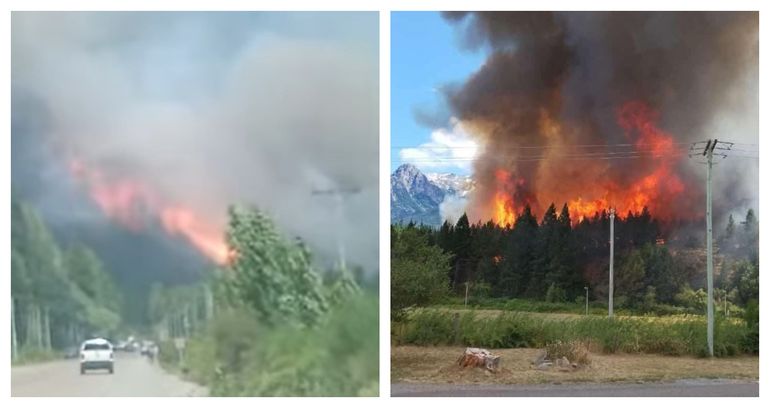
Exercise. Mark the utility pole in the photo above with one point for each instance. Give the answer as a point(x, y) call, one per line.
point(339, 194)
point(612, 258)
point(14, 339)
point(586, 288)
point(708, 152)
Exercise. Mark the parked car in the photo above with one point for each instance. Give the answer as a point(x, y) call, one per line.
point(97, 354)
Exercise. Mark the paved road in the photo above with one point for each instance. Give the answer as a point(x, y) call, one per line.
point(683, 388)
point(134, 376)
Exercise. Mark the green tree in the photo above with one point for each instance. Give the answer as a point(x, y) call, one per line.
point(730, 229)
point(271, 275)
point(661, 272)
point(50, 308)
point(746, 281)
point(87, 271)
point(461, 248)
point(419, 271)
point(519, 252)
point(629, 277)
point(546, 244)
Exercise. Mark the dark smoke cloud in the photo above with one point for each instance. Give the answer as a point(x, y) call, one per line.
point(699, 70)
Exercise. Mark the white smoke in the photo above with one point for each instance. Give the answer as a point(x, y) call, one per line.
point(452, 208)
point(212, 109)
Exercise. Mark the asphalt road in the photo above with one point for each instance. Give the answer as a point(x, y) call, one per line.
point(683, 388)
point(134, 376)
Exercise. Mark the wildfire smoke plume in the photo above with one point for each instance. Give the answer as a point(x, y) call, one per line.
point(598, 110)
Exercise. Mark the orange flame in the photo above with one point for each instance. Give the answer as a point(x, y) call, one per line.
point(593, 186)
point(504, 210)
point(130, 203)
point(205, 236)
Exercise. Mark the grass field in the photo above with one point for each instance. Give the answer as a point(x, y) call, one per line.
point(438, 365)
point(670, 335)
point(597, 308)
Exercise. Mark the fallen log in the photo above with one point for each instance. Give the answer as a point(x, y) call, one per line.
point(476, 357)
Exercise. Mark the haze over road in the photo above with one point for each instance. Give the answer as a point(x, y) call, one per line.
point(134, 376)
point(682, 388)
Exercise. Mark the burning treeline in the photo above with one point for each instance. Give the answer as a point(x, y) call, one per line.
point(597, 110)
point(133, 204)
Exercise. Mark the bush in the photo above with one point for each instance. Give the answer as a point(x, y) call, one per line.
point(237, 356)
point(750, 343)
point(574, 351)
point(555, 294)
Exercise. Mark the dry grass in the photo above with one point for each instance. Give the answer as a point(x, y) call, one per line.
point(574, 351)
point(438, 365)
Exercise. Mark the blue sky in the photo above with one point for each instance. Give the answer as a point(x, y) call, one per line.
point(425, 56)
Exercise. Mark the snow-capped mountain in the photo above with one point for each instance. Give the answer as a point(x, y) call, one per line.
point(452, 183)
point(417, 197)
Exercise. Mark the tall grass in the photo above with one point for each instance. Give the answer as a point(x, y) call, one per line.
point(679, 335)
point(538, 306)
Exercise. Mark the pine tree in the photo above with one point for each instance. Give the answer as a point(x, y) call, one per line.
point(543, 264)
point(461, 246)
point(730, 230)
point(567, 275)
point(519, 255)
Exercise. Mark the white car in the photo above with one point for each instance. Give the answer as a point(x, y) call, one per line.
point(96, 354)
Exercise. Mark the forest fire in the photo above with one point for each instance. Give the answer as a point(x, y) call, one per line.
point(505, 210)
point(206, 237)
point(595, 181)
point(601, 117)
point(130, 203)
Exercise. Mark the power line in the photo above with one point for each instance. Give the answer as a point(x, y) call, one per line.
point(541, 146)
point(623, 155)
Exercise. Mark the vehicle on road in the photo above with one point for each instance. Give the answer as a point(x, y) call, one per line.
point(97, 354)
point(147, 348)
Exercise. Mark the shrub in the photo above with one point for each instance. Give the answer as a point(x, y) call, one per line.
point(750, 342)
point(555, 294)
point(237, 356)
point(574, 351)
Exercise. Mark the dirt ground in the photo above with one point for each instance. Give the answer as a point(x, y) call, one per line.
point(411, 364)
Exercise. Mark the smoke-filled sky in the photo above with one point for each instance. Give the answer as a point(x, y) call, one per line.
point(151, 124)
point(561, 98)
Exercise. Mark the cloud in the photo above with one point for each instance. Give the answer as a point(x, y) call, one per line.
point(449, 148)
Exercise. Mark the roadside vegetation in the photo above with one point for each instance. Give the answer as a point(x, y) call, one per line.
point(59, 295)
point(672, 335)
point(269, 323)
point(524, 285)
